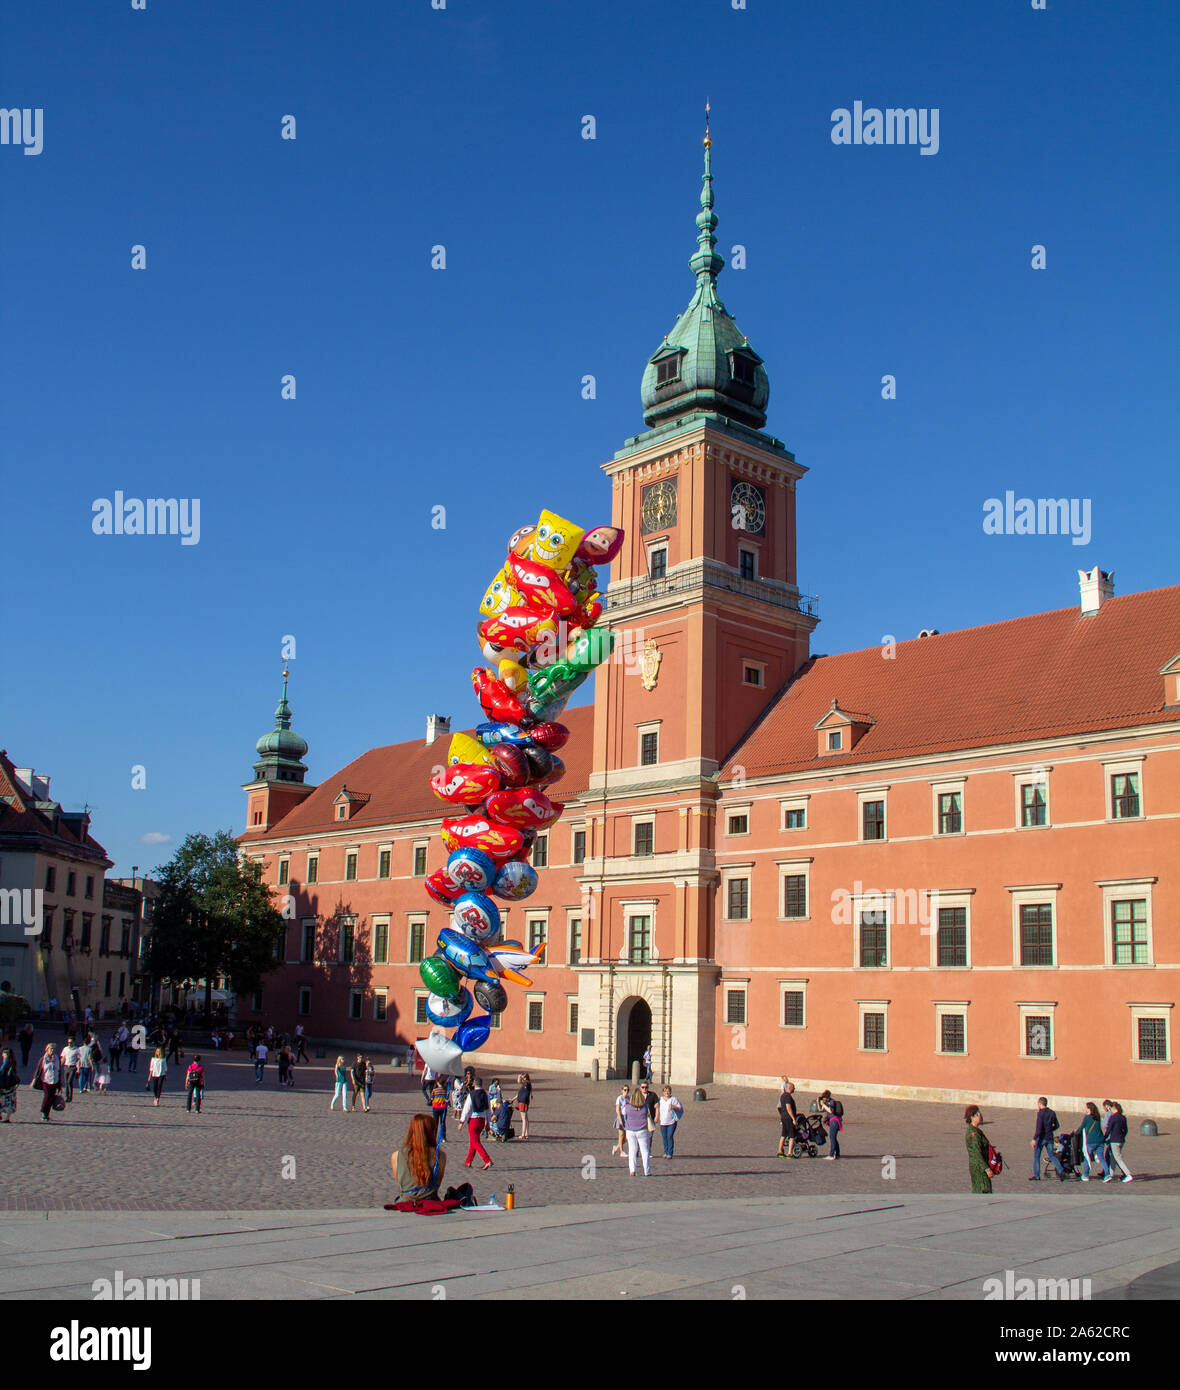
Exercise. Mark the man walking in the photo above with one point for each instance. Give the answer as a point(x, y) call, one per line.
point(69, 1068)
point(1043, 1139)
point(25, 1037)
point(300, 1044)
point(357, 1076)
point(789, 1115)
point(261, 1052)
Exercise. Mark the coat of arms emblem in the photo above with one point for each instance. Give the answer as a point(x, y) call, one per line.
point(652, 657)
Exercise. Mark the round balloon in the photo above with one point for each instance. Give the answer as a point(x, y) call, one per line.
point(491, 995)
point(471, 870)
point(516, 881)
point(473, 1034)
point(512, 764)
point(555, 774)
point(439, 977)
point(449, 1013)
point(476, 916)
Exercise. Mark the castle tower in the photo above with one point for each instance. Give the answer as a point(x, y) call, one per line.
point(278, 784)
point(712, 625)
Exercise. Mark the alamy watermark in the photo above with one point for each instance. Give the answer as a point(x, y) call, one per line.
point(23, 125)
point(22, 907)
point(896, 125)
point(1038, 516)
point(152, 516)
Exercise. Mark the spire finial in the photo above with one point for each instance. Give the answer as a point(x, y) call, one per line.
point(707, 264)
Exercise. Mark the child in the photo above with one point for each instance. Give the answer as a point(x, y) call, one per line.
point(103, 1080)
point(457, 1097)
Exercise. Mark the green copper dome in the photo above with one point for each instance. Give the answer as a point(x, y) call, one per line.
point(281, 750)
point(705, 363)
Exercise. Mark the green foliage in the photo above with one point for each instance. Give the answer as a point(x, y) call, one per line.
point(12, 1009)
point(214, 916)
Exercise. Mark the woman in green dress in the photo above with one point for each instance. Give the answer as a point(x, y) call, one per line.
point(977, 1146)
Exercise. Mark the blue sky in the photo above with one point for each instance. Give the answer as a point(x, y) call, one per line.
point(565, 257)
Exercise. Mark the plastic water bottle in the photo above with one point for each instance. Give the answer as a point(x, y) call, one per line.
point(492, 1200)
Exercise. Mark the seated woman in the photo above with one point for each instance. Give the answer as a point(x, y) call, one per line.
point(419, 1165)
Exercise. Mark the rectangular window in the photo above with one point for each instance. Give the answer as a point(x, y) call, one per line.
point(645, 838)
point(1128, 925)
point(874, 1033)
point(47, 929)
point(639, 940)
point(793, 1008)
point(953, 1030)
point(657, 562)
point(795, 895)
point(104, 937)
point(417, 942)
point(575, 940)
point(420, 1009)
point(304, 1001)
point(71, 885)
point(874, 820)
point(383, 862)
point(256, 1002)
point(573, 1019)
point(579, 846)
point(87, 923)
point(1153, 1039)
point(795, 818)
point(950, 813)
point(747, 565)
point(380, 943)
point(50, 878)
point(1038, 1035)
point(835, 741)
point(536, 1016)
point(752, 675)
point(313, 868)
point(350, 867)
point(1124, 795)
point(107, 990)
point(738, 824)
point(122, 983)
point(1033, 807)
point(738, 899)
point(284, 872)
point(347, 942)
point(308, 952)
point(497, 1021)
point(419, 861)
point(125, 941)
point(380, 1005)
point(735, 1006)
point(90, 885)
point(1036, 934)
point(540, 852)
point(355, 1001)
point(872, 940)
point(649, 749)
point(536, 932)
point(952, 936)
point(668, 369)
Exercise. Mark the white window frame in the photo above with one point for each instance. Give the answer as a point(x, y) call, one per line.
point(739, 809)
point(651, 726)
point(956, 897)
point(352, 849)
point(542, 838)
point(760, 667)
point(572, 915)
point(304, 992)
point(1163, 1011)
point(313, 857)
point(946, 788)
point(1114, 767)
point(579, 828)
point(735, 985)
point(870, 902)
point(794, 803)
point(420, 998)
point(643, 907)
point(786, 987)
point(571, 1003)
point(380, 997)
point(380, 919)
point(871, 1006)
point(650, 548)
point(647, 818)
point(384, 849)
point(1028, 777)
point(1023, 896)
point(414, 848)
point(529, 1001)
point(793, 868)
point(1034, 1010)
point(959, 1007)
point(732, 871)
point(1116, 890)
point(357, 997)
point(304, 923)
point(537, 914)
point(346, 919)
point(752, 550)
point(284, 871)
point(872, 794)
point(416, 919)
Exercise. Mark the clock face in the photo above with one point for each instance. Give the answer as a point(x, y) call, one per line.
point(747, 510)
point(659, 506)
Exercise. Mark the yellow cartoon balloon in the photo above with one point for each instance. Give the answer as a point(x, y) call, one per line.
point(554, 542)
point(465, 749)
point(499, 595)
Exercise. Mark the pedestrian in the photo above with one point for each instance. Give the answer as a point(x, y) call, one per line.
point(428, 1079)
point(261, 1053)
point(9, 1081)
point(419, 1165)
point(157, 1071)
point(438, 1105)
point(475, 1115)
point(652, 1101)
point(284, 1063)
point(174, 1053)
point(636, 1118)
point(647, 1062)
point(833, 1111)
point(977, 1150)
point(1116, 1137)
point(102, 1077)
point(524, 1096)
point(369, 1073)
point(300, 1044)
point(341, 1087)
point(458, 1096)
point(620, 1126)
point(69, 1069)
point(194, 1084)
point(133, 1050)
point(1093, 1143)
point(1043, 1139)
point(25, 1038)
point(671, 1113)
point(85, 1065)
point(789, 1120)
point(358, 1080)
point(48, 1078)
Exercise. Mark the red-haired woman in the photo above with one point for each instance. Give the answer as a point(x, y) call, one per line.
point(419, 1164)
point(977, 1147)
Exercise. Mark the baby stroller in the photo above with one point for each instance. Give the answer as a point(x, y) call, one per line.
point(810, 1135)
point(1068, 1148)
point(500, 1129)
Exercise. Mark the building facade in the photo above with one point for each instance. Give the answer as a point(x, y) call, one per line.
point(944, 868)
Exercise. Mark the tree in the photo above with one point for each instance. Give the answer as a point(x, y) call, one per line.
point(214, 916)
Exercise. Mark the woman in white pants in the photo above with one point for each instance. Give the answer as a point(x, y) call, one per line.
point(635, 1120)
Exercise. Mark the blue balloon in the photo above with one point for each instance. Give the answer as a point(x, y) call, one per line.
point(515, 881)
point(476, 916)
point(472, 1036)
point(449, 1013)
point(502, 733)
point(466, 955)
point(474, 870)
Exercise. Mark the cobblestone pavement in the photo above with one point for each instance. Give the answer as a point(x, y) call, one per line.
point(116, 1152)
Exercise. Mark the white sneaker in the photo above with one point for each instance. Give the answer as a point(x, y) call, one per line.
point(1109, 1178)
point(1085, 1179)
point(1128, 1178)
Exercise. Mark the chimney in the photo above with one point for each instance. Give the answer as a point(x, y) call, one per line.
point(1096, 586)
point(436, 726)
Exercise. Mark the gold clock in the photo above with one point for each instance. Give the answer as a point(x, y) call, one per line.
point(658, 506)
point(747, 509)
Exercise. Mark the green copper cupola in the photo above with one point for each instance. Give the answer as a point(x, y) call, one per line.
point(706, 362)
point(281, 751)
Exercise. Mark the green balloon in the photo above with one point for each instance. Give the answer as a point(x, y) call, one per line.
point(439, 977)
point(591, 648)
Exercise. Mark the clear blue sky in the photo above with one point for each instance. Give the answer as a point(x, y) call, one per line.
point(565, 257)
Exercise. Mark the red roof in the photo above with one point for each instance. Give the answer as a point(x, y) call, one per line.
point(23, 826)
point(1045, 676)
point(397, 780)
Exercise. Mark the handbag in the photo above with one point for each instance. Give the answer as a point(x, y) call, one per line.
point(995, 1161)
point(59, 1103)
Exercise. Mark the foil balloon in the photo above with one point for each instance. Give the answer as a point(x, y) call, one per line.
point(600, 545)
point(524, 807)
point(465, 955)
point(467, 870)
point(540, 587)
point(551, 736)
point(439, 977)
point(555, 774)
point(512, 763)
point(473, 1034)
point(497, 700)
point(499, 595)
point(465, 784)
point(476, 916)
point(492, 734)
point(554, 542)
point(440, 887)
point(540, 762)
point(508, 960)
point(439, 1053)
point(491, 995)
point(478, 832)
point(520, 534)
point(465, 749)
point(590, 649)
point(449, 1013)
point(516, 881)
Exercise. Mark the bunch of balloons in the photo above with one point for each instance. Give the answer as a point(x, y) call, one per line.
point(539, 638)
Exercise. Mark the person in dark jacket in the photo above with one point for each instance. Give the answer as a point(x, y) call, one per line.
point(1116, 1137)
point(9, 1081)
point(48, 1078)
point(1043, 1139)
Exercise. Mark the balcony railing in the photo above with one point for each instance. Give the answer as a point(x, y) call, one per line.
point(623, 594)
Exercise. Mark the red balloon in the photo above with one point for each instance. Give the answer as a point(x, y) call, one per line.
point(589, 613)
point(442, 887)
point(540, 586)
point(519, 628)
point(511, 763)
point(550, 735)
point(601, 545)
point(499, 703)
point(524, 807)
point(479, 831)
point(465, 784)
